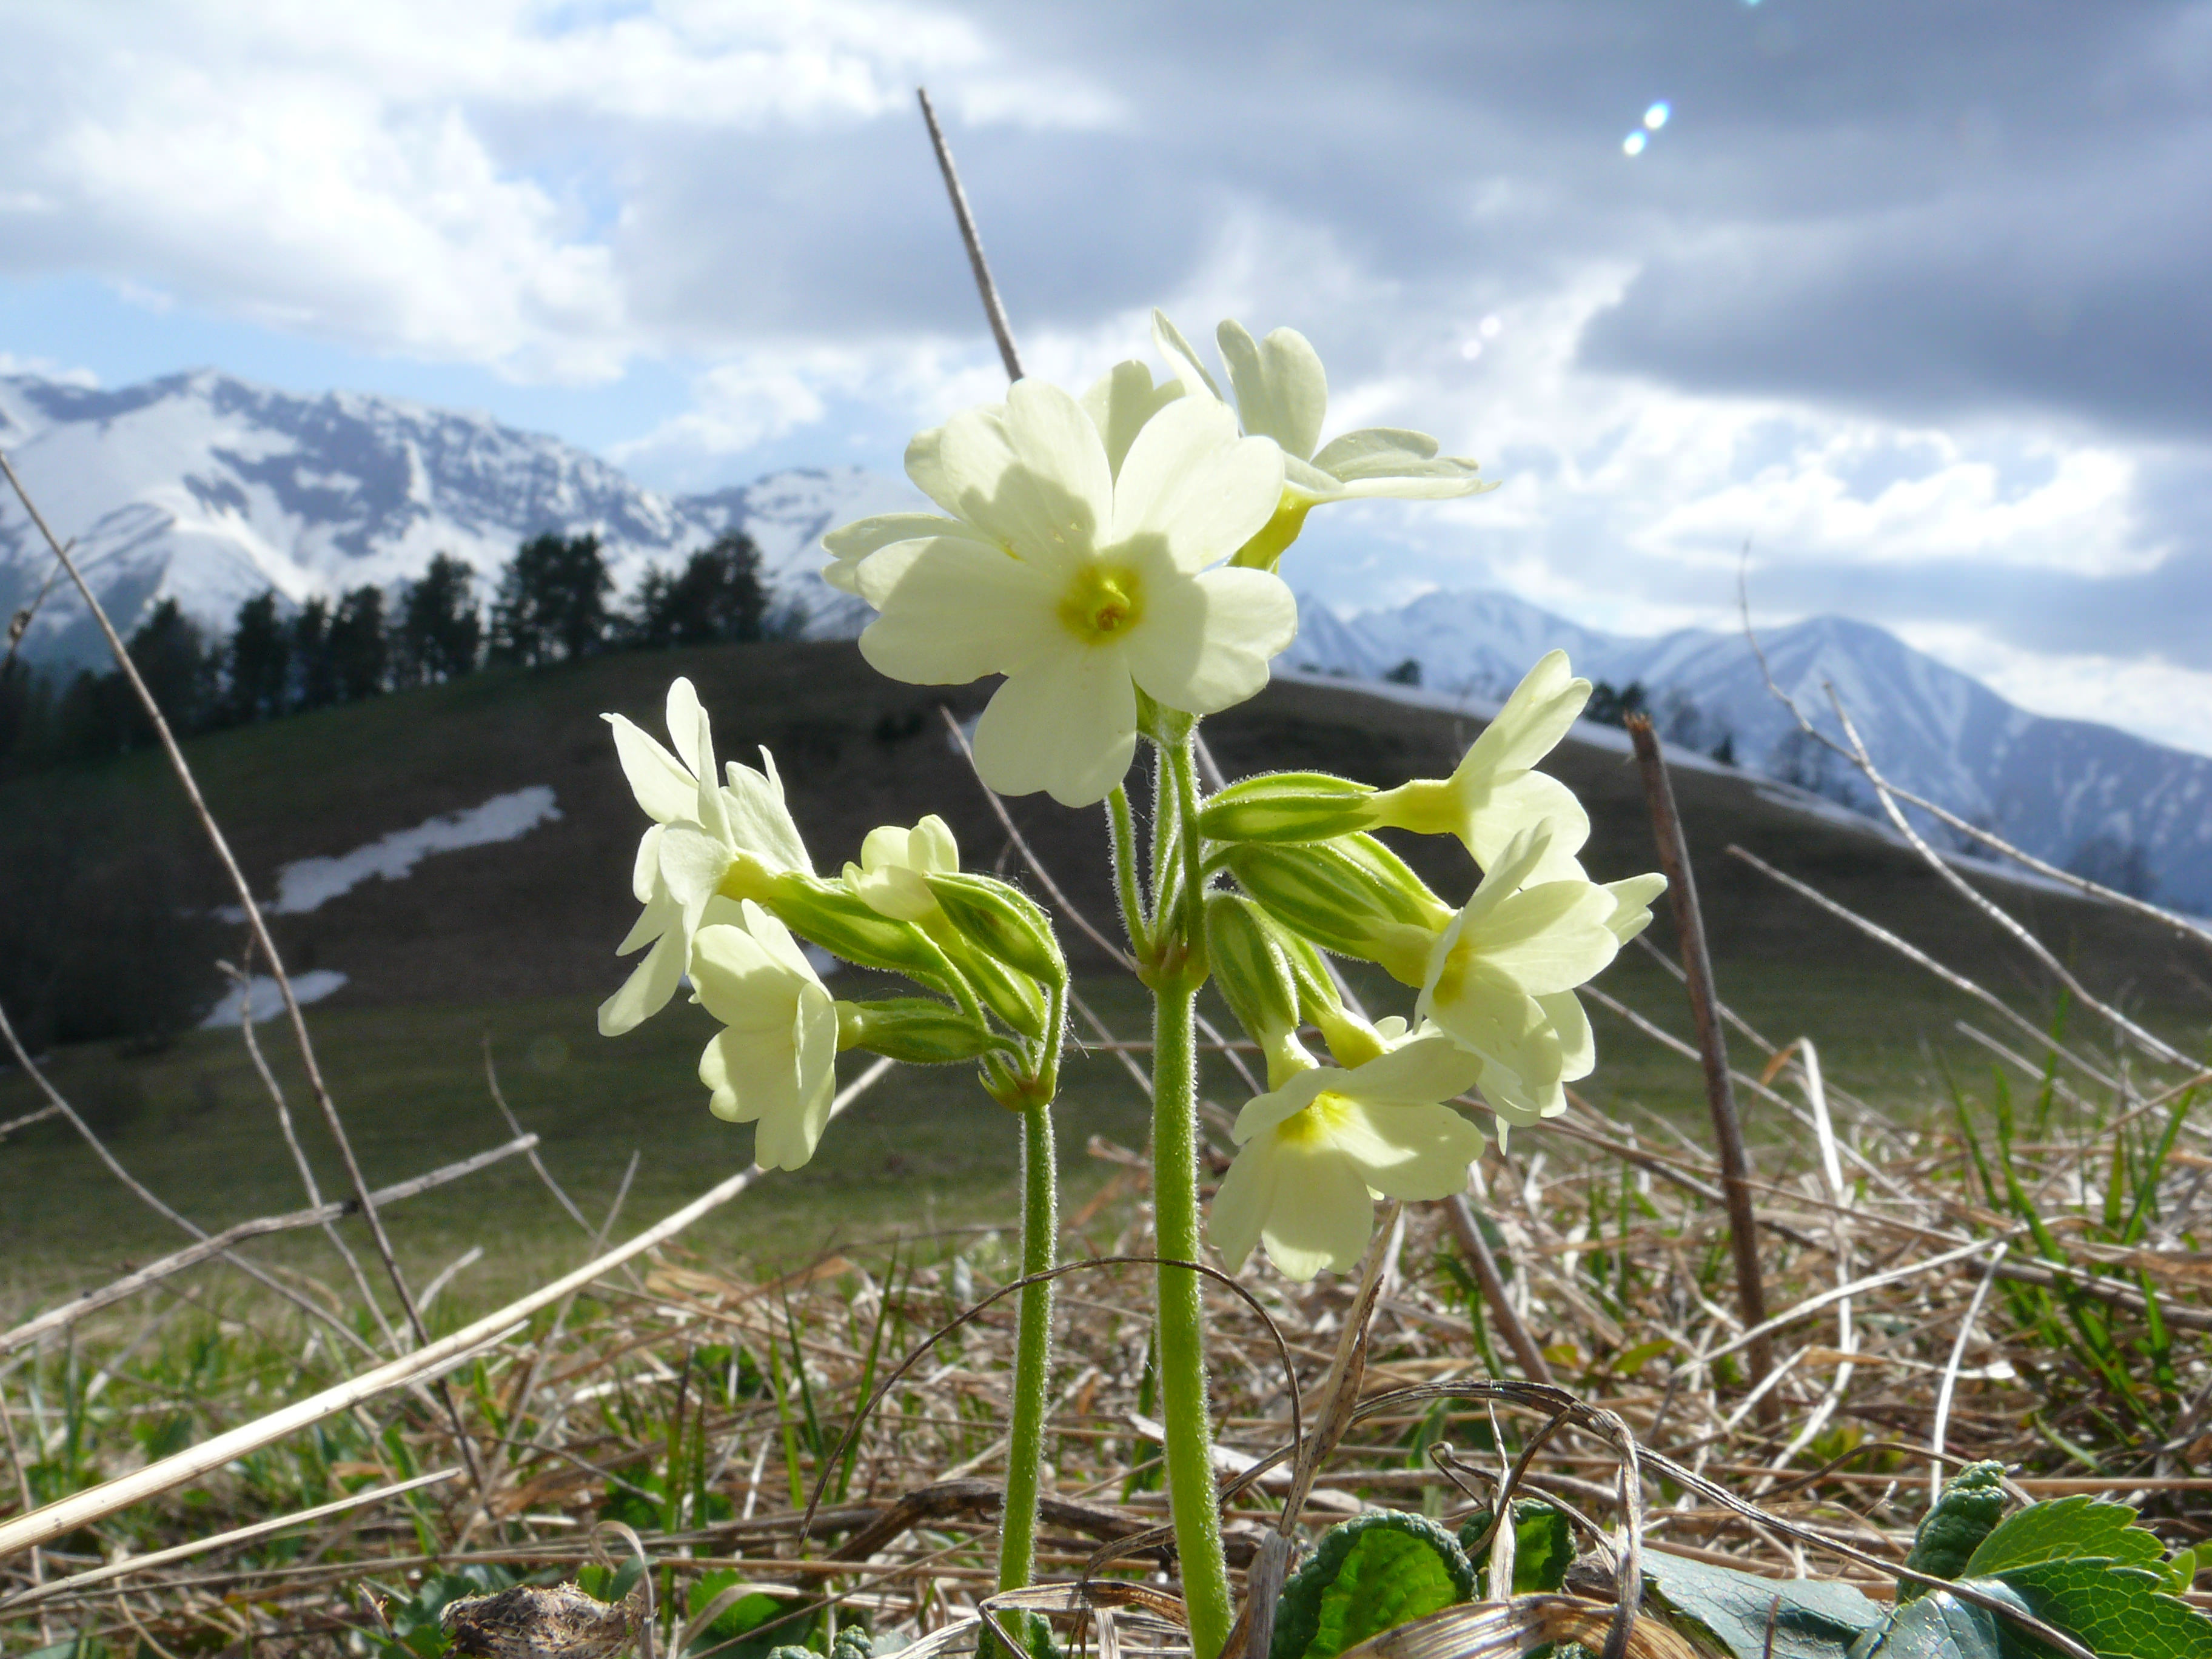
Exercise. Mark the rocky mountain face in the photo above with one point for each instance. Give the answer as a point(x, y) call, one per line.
point(208, 490)
point(2117, 807)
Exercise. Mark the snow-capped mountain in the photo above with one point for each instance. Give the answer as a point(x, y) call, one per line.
point(209, 489)
point(2070, 792)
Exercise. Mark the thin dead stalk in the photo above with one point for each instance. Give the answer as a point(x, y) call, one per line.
point(994, 309)
point(1712, 1049)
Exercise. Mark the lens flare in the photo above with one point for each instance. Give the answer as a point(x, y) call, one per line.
point(1634, 143)
point(1657, 116)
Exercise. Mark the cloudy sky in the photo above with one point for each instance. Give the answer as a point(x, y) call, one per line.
point(1909, 296)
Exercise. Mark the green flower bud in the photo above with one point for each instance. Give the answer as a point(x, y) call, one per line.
point(1249, 965)
point(1351, 896)
point(845, 925)
point(1288, 806)
point(1014, 998)
point(1001, 922)
point(919, 1031)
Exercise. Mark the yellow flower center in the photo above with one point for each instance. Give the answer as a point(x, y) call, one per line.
point(1317, 1124)
point(1451, 978)
point(1103, 603)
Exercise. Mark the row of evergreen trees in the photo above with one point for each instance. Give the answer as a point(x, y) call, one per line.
point(554, 604)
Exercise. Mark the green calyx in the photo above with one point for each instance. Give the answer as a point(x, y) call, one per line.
point(1289, 807)
point(1249, 965)
point(919, 1031)
point(829, 914)
point(1000, 922)
point(1351, 896)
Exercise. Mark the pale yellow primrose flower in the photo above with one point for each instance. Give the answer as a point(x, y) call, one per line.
point(1501, 974)
point(1282, 392)
point(775, 1063)
point(1316, 1152)
point(700, 828)
point(1494, 795)
point(1081, 585)
point(1119, 404)
point(892, 877)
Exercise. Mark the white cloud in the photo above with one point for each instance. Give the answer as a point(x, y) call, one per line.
point(412, 177)
point(2157, 700)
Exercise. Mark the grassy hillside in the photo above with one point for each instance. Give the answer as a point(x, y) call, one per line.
point(513, 944)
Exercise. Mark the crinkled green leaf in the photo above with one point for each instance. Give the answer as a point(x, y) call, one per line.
point(2067, 1528)
point(1813, 1619)
point(1367, 1576)
point(2118, 1611)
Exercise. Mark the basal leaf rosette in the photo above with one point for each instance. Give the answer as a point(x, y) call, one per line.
point(1315, 1153)
point(702, 827)
point(1084, 584)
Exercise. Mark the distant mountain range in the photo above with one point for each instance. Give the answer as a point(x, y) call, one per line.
point(208, 489)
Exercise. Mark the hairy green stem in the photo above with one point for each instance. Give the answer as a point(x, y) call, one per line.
point(1032, 1352)
point(1189, 1439)
point(1122, 833)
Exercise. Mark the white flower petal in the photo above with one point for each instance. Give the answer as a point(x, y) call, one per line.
point(1417, 1072)
point(1205, 641)
point(690, 736)
point(1508, 809)
point(1067, 724)
point(954, 610)
point(1350, 452)
point(1182, 359)
point(759, 821)
point(660, 914)
point(1241, 1202)
point(1408, 1151)
point(1122, 402)
point(1194, 488)
point(1543, 707)
point(1551, 938)
point(1577, 1043)
point(1282, 391)
point(1485, 1011)
point(645, 872)
point(851, 542)
point(1633, 901)
point(1322, 1215)
point(1063, 488)
point(692, 864)
point(1263, 1112)
point(649, 987)
point(739, 981)
point(663, 786)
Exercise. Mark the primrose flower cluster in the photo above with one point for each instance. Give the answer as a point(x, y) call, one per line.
point(1114, 557)
point(729, 894)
